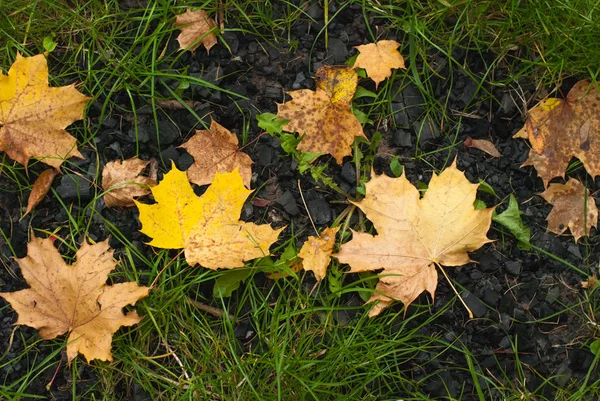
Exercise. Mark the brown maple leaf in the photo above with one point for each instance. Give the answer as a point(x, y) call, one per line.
point(378, 59)
point(325, 116)
point(196, 29)
point(574, 208)
point(122, 182)
point(33, 116)
point(316, 252)
point(40, 188)
point(415, 234)
point(74, 299)
point(216, 150)
point(559, 129)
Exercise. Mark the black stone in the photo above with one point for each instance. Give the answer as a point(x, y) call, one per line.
point(73, 187)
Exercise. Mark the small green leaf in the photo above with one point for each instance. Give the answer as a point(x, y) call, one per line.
point(479, 204)
point(362, 92)
point(595, 348)
point(421, 186)
point(49, 43)
point(271, 123)
point(362, 117)
point(229, 282)
point(369, 282)
point(396, 167)
point(511, 219)
point(289, 142)
point(487, 188)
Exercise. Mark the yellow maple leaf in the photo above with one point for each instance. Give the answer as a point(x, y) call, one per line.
point(574, 208)
point(216, 150)
point(325, 116)
point(560, 129)
point(33, 116)
point(74, 299)
point(206, 227)
point(316, 252)
point(415, 234)
point(196, 29)
point(379, 58)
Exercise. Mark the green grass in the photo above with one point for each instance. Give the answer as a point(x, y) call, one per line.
point(302, 345)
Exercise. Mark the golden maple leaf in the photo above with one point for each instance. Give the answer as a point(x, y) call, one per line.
point(33, 116)
point(325, 116)
point(216, 150)
point(206, 227)
point(316, 252)
point(415, 234)
point(559, 129)
point(379, 58)
point(574, 208)
point(196, 29)
point(123, 182)
point(74, 299)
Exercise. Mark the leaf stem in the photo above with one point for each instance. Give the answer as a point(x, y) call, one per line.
point(454, 289)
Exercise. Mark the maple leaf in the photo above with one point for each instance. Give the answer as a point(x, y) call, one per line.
point(74, 299)
point(33, 116)
point(40, 188)
point(216, 150)
point(559, 129)
point(378, 59)
point(415, 234)
point(574, 208)
point(206, 227)
point(123, 182)
point(483, 145)
point(196, 29)
point(325, 116)
point(316, 252)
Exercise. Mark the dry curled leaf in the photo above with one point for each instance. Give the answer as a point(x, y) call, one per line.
point(483, 145)
point(122, 182)
point(560, 129)
point(33, 116)
point(316, 252)
point(415, 234)
point(379, 58)
point(40, 188)
point(216, 150)
point(325, 116)
point(196, 29)
point(206, 227)
point(74, 299)
point(574, 208)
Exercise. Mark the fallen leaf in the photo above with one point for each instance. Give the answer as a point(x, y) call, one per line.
point(122, 182)
point(559, 129)
point(74, 299)
point(216, 150)
point(316, 252)
point(196, 29)
point(325, 116)
point(40, 188)
point(173, 104)
point(574, 208)
point(206, 227)
point(591, 282)
point(511, 219)
point(379, 58)
point(415, 234)
point(33, 116)
point(483, 145)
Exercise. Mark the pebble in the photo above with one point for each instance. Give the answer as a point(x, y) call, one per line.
point(513, 267)
point(475, 305)
point(73, 187)
point(320, 211)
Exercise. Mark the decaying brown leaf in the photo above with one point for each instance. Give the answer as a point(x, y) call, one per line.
point(415, 234)
point(216, 150)
point(33, 116)
point(207, 227)
point(316, 252)
point(325, 116)
point(559, 129)
point(196, 29)
point(574, 208)
point(483, 145)
point(123, 182)
point(379, 58)
point(74, 299)
point(40, 188)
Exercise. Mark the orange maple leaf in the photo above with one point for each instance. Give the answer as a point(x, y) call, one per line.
point(325, 116)
point(316, 252)
point(559, 129)
point(216, 150)
point(206, 227)
point(74, 299)
point(379, 58)
point(415, 234)
point(574, 208)
point(40, 188)
point(196, 29)
point(123, 182)
point(33, 116)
